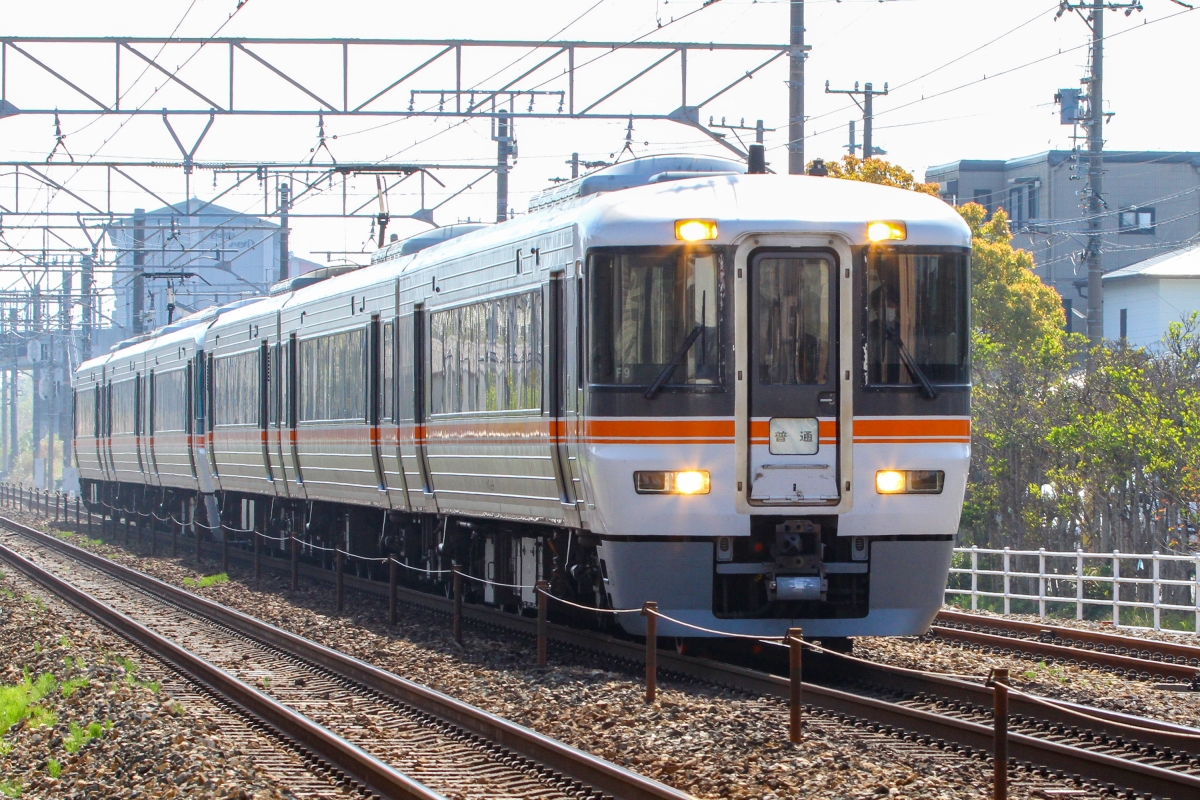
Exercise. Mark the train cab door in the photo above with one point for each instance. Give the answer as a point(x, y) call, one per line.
point(792, 377)
point(559, 384)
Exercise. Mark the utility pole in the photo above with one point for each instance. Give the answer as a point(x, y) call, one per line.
point(853, 146)
point(796, 57)
point(506, 145)
point(868, 108)
point(285, 203)
point(85, 295)
point(574, 162)
point(139, 277)
point(1094, 18)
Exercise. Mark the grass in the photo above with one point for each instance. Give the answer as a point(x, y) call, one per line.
point(11, 788)
point(5, 748)
point(131, 667)
point(78, 736)
point(92, 542)
point(54, 768)
point(177, 709)
point(70, 687)
point(206, 581)
point(19, 701)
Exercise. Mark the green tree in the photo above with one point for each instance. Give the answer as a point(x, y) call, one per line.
point(876, 170)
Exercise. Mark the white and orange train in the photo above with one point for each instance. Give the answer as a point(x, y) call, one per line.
point(745, 397)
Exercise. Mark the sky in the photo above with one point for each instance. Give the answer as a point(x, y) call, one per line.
point(966, 78)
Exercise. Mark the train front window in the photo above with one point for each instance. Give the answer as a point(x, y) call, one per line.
point(654, 315)
point(918, 323)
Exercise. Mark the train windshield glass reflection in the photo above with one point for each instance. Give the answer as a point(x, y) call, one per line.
point(652, 307)
point(917, 310)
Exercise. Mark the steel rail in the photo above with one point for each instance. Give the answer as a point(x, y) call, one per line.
point(1063, 652)
point(1135, 647)
point(576, 764)
point(350, 759)
point(937, 728)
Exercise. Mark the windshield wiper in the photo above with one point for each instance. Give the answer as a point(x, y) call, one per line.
point(673, 363)
point(892, 332)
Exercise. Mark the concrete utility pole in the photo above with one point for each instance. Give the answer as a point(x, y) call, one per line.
point(139, 274)
point(285, 203)
point(506, 145)
point(868, 108)
point(796, 90)
point(1095, 127)
point(85, 295)
point(853, 146)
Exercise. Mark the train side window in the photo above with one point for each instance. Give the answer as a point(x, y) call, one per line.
point(654, 309)
point(387, 372)
point(170, 407)
point(235, 389)
point(122, 407)
point(85, 413)
point(917, 319)
point(332, 377)
point(791, 312)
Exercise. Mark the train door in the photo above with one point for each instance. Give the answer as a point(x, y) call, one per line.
point(276, 418)
point(292, 416)
point(190, 416)
point(792, 364)
point(152, 457)
point(385, 433)
point(105, 427)
point(421, 355)
point(557, 353)
point(265, 390)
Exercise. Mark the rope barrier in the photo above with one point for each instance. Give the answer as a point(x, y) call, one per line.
point(593, 608)
point(494, 583)
point(1044, 701)
point(730, 634)
point(419, 569)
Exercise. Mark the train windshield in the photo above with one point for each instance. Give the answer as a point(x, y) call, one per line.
point(654, 315)
point(918, 321)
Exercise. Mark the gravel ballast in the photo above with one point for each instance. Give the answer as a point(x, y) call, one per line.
point(85, 715)
point(706, 741)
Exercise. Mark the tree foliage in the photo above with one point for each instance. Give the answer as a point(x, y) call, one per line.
point(876, 170)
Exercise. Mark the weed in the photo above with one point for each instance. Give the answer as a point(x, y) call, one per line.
point(53, 768)
point(78, 736)
point(177, 709)
point(5, 748)
point(11, 788)
point(92, 542)
point(7, 593)
point(64, 642)
point(206, 581)
point(19, 701)
point(42, 717)
point(73, 685)
point(37, 647)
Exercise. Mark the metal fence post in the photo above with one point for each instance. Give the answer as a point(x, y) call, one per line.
point(975, 577)
point(393, 569)
point(339, 563)
point(1078, 583)
point(1041, 582)
point(543, 602)
point(295, 563)
point(458, 603)
point(1116, 588)
point(999, 681)
point(1007, 609)
point(1157, 589)
point(650, 612)
point(795, 640)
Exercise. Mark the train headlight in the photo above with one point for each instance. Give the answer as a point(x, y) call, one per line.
point(909, 481)
point(691, 481)
point(885, 231)
point(695, 230)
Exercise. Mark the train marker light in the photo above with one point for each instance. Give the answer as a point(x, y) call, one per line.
point(692, 481)
point(885, 231)
point(695, 230)
point(889, 481)
point(910, 481)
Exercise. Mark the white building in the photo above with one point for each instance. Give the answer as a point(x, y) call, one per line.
point(1142, 299)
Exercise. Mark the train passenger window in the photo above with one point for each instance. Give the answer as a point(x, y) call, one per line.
point(235, 389)
point(917, 318)
point(653, 310)
point(791, 320)
point(123, 408)
point(487, 356)
point(170, 401)
point(333, 382)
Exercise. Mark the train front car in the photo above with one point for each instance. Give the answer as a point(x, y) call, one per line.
point(778, 403)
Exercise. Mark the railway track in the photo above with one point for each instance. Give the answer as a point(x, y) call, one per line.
point(1129, 655)
point(387, 735)
point(1051, 739)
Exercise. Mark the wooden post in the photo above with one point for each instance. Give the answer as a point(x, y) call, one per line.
point(196, 533)
point(543, 603)
point(393, 570)
point(458, 604)
point(795, 639)
point(128, 522)
point(257, 555)
point(224, 548)
point(650, 612)
point(77, 503)
point(153, 525)
point(57, 506)
point(999, 683)
point(175, 531)
point(89, 519)
point(339, 564)
point(295, 563)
